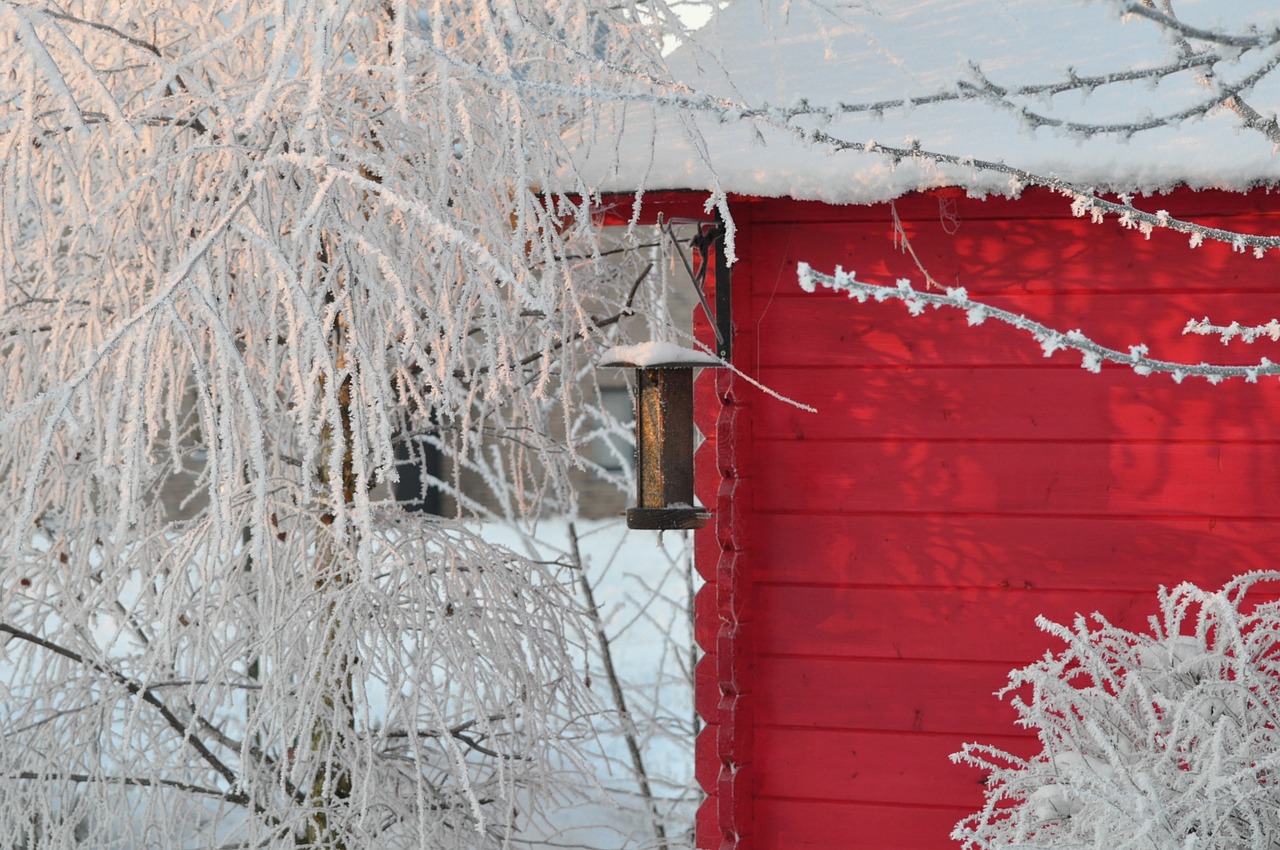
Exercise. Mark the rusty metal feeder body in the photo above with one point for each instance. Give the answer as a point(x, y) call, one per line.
point(664, 443)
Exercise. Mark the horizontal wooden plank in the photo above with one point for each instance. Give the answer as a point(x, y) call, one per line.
point(1011, 403)
point(913, 623)
point(989, 248)
point(928, 206)
point(885, 695)
point(1018, 478)
point(831, 329)
point(790, 824)
point(1045, 553)
point(866, 767)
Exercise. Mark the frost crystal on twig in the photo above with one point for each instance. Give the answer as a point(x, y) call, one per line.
point(1165, 738)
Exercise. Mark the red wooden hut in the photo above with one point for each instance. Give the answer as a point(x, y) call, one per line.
point(874, 569)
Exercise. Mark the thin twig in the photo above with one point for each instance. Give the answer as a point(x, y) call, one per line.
point(530, 359)
point(184, 730)
point(136, 781)
point(616, 690)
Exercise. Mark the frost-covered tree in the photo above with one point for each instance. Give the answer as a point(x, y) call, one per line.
point(246, 249)
point(1166, 739)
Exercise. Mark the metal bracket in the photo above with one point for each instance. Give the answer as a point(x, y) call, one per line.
point(709, 239)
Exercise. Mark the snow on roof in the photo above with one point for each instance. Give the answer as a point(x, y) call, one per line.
point(773, 53)
point(657, 354)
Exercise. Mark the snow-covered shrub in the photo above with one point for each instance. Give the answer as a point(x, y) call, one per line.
point(1162, 740)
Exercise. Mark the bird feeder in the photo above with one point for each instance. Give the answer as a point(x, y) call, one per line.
point(664, 433)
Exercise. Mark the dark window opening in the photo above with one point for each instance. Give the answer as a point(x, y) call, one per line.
point(418, 463)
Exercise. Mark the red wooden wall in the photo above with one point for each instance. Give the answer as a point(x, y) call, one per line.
point(874, 570)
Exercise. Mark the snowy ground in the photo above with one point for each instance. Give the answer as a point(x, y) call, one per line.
point(642, 583)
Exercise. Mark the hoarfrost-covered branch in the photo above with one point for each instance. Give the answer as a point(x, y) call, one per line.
point(144, 693)
point(1171, 23)
point(1050, 340)
point(1084, 201)
point(1223, 94)
point(1164, 738)
point(1203, 327)
point(129, 780)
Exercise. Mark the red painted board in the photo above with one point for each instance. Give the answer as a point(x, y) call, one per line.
point(791, 824)
point(707, 623)
point(1135, 554)
point(706, 546)
point(961, 625)
point(619, 210)
point(1019, 478)
point(986, 255)
point(706, 473)
point(834, 330)
point(708, 830)
point(869, 767)
point(707, 761)
point(886, 695)
point(735, 817)
point(1011, 403)
point(707, 689)
point(953, 203)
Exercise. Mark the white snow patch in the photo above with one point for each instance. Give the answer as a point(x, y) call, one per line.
point(657, 353)
point(769, 62)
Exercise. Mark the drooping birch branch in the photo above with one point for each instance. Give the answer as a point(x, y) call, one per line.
point(185, 730)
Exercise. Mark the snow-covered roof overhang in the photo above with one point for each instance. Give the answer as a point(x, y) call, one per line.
point(779, 98)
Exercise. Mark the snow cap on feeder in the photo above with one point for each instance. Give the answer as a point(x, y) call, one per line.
point(664, 432)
